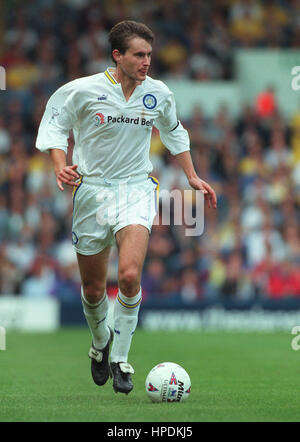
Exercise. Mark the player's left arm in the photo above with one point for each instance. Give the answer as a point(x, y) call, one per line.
point(185, 161)
point(177, 141)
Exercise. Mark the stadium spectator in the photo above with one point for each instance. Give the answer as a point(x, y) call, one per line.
point(153, 277)
point(246, 22)
point(265, 103)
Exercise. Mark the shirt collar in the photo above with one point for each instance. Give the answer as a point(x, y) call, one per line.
point(110, 74)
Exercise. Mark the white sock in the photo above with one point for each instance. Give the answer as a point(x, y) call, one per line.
point(96, 316)
point(126, 312)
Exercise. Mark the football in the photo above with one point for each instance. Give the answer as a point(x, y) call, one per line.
point(168, 382)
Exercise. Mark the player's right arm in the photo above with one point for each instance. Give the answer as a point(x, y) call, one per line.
point(64, 174)
point(58, 119)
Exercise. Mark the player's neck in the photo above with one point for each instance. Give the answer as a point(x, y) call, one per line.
point(128, 84)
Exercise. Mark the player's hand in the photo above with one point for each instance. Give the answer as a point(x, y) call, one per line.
point(67, 175)
point(209, 193)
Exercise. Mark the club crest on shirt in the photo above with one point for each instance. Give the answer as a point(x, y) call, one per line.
point(149, 101)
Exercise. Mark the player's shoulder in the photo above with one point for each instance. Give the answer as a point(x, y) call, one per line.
point(75, 89)
point(158, 86)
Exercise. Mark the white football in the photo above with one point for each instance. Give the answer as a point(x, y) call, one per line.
point(168, 382)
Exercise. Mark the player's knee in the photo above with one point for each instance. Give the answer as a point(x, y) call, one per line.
point(93, 292)
point(129, 277)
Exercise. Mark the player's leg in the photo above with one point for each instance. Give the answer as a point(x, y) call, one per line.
point(93, 271)
point(132, 243)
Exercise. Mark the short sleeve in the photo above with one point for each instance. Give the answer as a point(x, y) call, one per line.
point(59, 117)
point(172, 133)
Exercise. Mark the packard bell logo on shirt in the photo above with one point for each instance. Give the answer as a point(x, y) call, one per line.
point(100, 119)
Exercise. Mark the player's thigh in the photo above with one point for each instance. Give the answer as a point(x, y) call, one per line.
point(132, 242)
point(93, 272)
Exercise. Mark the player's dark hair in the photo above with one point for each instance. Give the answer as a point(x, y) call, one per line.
point(123, 32)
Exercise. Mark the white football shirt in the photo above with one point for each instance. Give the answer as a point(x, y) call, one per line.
point(112, 136)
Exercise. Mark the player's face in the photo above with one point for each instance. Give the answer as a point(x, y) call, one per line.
point(135, 62)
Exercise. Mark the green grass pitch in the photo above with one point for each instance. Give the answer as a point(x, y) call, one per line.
point(236, 377)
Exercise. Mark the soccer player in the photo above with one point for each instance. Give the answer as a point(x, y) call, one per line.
point(114, 198)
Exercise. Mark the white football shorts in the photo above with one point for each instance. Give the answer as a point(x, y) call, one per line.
point(101, 207)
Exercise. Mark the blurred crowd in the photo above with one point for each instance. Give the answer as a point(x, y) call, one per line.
point(250, 247)
point(47, 42)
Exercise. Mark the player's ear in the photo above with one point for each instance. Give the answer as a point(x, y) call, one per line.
point(116, 55)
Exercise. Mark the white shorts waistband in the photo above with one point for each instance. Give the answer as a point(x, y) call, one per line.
point(101, 181)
